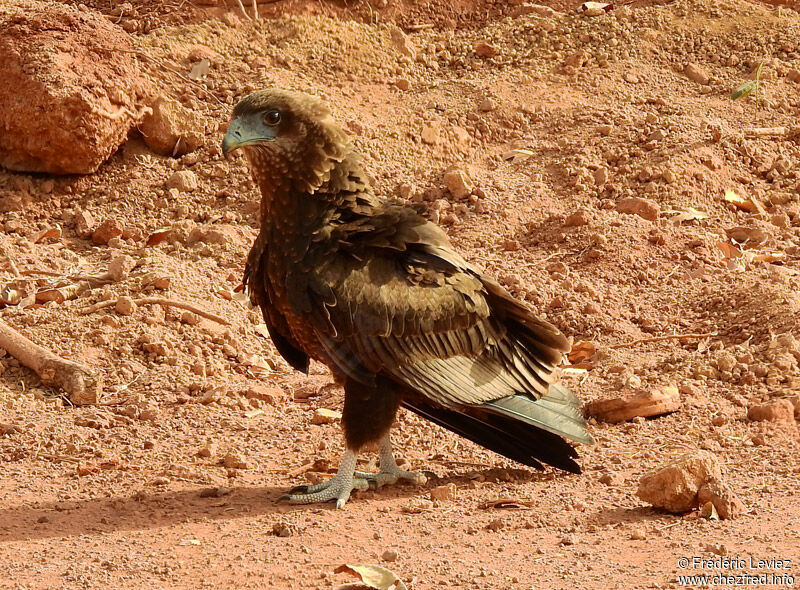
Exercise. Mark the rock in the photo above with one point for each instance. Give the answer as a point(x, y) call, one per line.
point(638, 534)
point(794, 75)
point(487, 104)
point(430, 134)
point(171, 129)
point(111, 228)
point(207, 451)
point(71, 88)
point(795, 401)
point(779, 410)
point(389, 555)
point(325, 416)
point(752, 235)
point(157, 281)
point(696, 73)
point(84, 224)
point(125, 306)
point(611, 479)
point(484, 49)
point(120, 267)
point(644, 208)
point(283, 529)
point(233, 460)
point(269, 395)
point(580, 217)
point(402, 43)
point(402, 84)
point(601, 176)
point(183, 180)
point(723, 499)
point(646, 404)
point(675, 486)
point(458, 183)
point(444, 493)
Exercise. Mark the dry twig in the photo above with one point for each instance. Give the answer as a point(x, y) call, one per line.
point(661, 339)
point(161, 301)
point(82, 385)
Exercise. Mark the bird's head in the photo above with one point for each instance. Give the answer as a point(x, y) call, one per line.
point(289, 138)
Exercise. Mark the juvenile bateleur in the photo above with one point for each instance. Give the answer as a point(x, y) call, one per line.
point(377, 293)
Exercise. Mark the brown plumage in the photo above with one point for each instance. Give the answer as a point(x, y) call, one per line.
point(377, 293)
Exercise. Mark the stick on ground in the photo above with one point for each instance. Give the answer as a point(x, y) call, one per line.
point(82, 385)
point(161, 301)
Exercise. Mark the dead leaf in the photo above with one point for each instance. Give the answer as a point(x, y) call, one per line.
point(261, 330)
point(738, 202)
point(582, 353)
point(374, 576)
point(687, 214)
point(709, 511)
point(771, 257)
point(517, 155)
point(505, 503)
point(734, 257)
point(51, 232)
point(158, 236)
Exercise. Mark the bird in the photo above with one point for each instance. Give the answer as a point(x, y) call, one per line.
point(374, 290)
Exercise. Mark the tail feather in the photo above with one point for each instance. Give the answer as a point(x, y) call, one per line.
point(557, 412)
point(509, 436)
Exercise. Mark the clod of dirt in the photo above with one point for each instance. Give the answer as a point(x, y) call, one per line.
point(444, 493)
point(171, 129)
point(458, 183)
point(696, 73)
point(644, 208)
point(125, 306)
point(389, 555)
point(120, 267)
point(71, 88)
point(646, 404)
point(676, 487)
point(325, 416)
point(183, 180)
point(108, 230)
point(779, 410)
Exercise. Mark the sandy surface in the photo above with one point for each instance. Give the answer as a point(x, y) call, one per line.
point(173, 482)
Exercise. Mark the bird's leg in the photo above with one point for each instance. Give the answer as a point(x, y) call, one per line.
point(389, 471)
point(337, 488)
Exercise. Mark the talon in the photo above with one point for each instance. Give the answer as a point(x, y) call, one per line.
point(298, 490)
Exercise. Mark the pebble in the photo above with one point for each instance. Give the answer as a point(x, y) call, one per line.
point(638, 534)
point(644, 208)
point(125, 305)
point(496, 525)
point(389, 555)
point(779, 410)
point(120, 267)
point(265, 394)
point(430, 134)
point(484, 49)
point(402, 43)
point(325, 416)
point(233, 460)
point(84, 224)
point(696, 73)
point(458, 183)
point(487, 104)
point(580, 217)
point(111, 228)
point(183, 180)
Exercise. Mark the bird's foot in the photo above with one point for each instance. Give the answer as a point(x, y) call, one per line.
point(337, 488)
point(392, 475)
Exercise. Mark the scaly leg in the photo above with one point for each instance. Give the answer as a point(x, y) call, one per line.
point(337, 488)
point(389, 471)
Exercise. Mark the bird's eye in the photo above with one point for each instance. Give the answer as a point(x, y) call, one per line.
point(272, 118)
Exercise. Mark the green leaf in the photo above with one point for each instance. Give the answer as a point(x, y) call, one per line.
point(744, 89)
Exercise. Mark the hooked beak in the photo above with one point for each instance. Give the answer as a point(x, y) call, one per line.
point(240, 135)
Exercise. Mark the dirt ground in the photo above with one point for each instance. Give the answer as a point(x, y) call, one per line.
point(172, 481)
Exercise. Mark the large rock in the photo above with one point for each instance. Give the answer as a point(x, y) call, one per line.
point(71, 89)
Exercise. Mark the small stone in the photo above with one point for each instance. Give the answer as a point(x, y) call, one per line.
point(207, 451)
point(577, 219)
point(160, 481)
point(496, 525)
point(233, 460)
point(611, 479)
point(696, 73)
point(183, 180)
point(630, 78)
point(779, 410)
point(458, 183)
point(125, 305)
point(402, 43)
point(487, 104)
point(158, 281)
point(216, 492)
point(484, 49)
point(106, 231)
point(404, 191)
point(389, 555)
point(325, 416)
point(601, 176)
point(644, 208)
point(638, 534)
point(794, 75)
point(283, 529)
point(430, 134)
point(84, 224)
point(120, 267)
point(675, 486)
point(403, 84)
point(567, 540)
point(444, 493)
point(171, 129)
point(269, 395)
